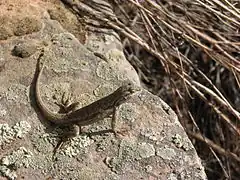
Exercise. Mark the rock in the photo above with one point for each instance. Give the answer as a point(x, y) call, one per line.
point(151, 143)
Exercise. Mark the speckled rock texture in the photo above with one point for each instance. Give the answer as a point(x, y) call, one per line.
point(151, 143)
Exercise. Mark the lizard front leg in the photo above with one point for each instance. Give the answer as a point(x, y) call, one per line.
point(113, 122)
point(115, 115)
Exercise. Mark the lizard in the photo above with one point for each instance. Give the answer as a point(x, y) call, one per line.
point(96, 111)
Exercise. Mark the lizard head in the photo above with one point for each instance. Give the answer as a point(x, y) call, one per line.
point(125, 91)
point(129, 87)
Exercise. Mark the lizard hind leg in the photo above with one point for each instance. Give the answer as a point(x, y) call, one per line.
point(65, 105)
point(72, 131)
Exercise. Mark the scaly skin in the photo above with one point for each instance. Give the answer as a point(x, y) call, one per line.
point(89, 114)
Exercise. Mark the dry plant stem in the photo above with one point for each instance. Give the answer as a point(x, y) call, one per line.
point(219, 162)
point(182, 70)
point(211, 149)
point(201, 95)
point(193, 39)
point(233, 7)
point(226, 54)
point(182, 23)
point(237, 77)
point(227, 9)
point(216, 147)
point(149, 23)
point(121, 9)
point(227, 42)
point(214, 87)
point(216, 109)
point(212, 94)
point(146, 24)
point(217, 12)
point(170, 26)
point(227, 63)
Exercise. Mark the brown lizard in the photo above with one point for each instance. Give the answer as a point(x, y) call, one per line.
point(89, 114)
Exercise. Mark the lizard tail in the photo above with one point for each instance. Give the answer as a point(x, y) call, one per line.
point(49, 115)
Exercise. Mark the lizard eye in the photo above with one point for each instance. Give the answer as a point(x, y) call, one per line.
point(129, 87)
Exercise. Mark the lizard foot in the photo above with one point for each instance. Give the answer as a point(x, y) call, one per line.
point(65, 105)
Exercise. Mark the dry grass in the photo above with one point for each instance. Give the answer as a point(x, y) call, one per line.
point(188, 53)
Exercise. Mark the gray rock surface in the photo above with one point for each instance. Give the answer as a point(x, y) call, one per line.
point(152, 143)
